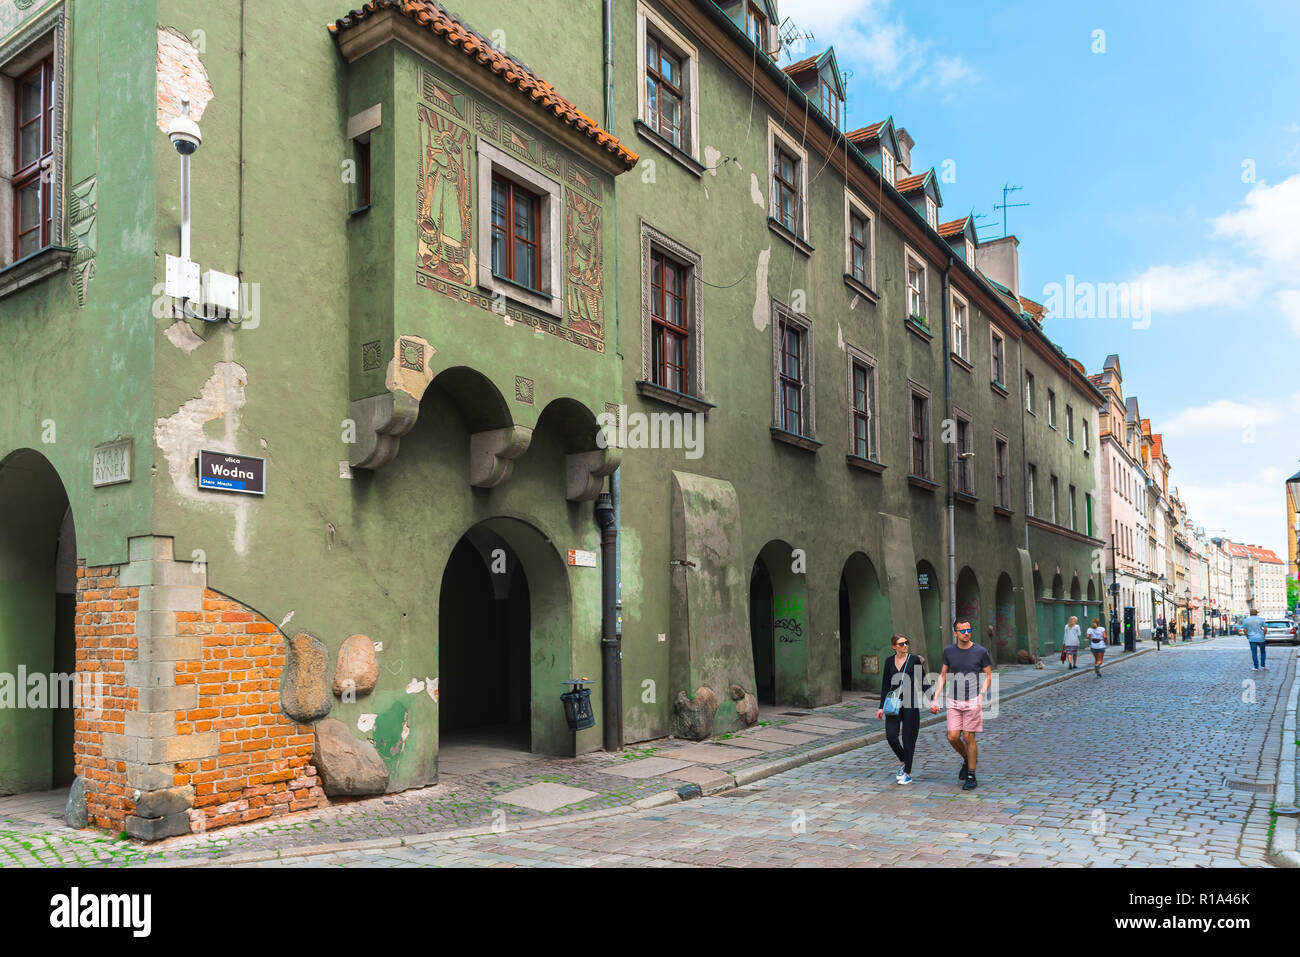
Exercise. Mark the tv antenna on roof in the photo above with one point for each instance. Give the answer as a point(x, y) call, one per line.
point(1007, 190)
point(791, 36)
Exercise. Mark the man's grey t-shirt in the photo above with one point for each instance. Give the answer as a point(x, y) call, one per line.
point(1254, 626)
point(965, 669)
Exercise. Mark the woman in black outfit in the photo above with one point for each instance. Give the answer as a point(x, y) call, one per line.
point(903, 671)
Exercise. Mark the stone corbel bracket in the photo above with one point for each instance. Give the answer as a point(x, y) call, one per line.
point(381, 422)
point(584, 472)
point(492, 454)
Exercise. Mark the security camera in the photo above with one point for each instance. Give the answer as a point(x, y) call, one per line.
point(183, 131)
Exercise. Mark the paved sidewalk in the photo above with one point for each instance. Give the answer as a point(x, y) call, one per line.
point(485, 789)
point(1164, 761)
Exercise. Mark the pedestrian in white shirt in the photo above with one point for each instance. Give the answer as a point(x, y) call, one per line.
point(1070, 643)
point(1097, 644)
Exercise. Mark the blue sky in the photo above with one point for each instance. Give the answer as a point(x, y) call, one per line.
point(1132, 161)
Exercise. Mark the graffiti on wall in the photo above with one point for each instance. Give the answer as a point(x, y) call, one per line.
point(446, 239)
point(83, 206)
point(787, 619)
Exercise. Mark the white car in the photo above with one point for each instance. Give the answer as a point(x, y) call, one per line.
point(1280, 631)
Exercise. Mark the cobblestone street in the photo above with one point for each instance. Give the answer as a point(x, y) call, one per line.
point(1162, 760)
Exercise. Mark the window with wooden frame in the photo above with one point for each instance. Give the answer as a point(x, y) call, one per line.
point(1029, 392)
point(1069, 422)
point(33, 132)
point(1073, 516)
point(965, 456)
point(1085, 435)
point(793, 381)
point(1030, 482)
point(1051, 408)
point(1001, 471)
point(669, 336)
point(931, 213)
point(915, 286)
point(519, 234)
point(830, 100)
point(664, 90)
point(859, 242)
point(1053, 489)
point(785, 187)
point(960, 327)
point(919, 425)
point(863, 421)
point(997, 357)
point(516, 243)
point(791, 378)
point(756, 27)
point(887, 166)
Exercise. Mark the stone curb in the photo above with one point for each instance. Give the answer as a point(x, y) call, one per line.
point(663, 798)
point(1283, 851)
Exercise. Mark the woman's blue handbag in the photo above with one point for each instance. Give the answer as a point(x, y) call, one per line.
point(894, 700)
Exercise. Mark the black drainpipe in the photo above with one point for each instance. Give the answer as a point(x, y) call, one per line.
point(952, 450)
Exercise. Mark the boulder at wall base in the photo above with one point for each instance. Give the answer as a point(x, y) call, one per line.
point(304, 695)
point(746, 704)
point(75, 813)
point(356, 665)
point(693, 717)
point(347, 765)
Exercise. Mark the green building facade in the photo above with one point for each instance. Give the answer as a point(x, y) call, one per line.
point(491, 264)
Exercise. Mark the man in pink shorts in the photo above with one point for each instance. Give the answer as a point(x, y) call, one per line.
point(965, 660)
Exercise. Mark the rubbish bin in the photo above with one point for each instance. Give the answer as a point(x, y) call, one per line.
point(577, 705)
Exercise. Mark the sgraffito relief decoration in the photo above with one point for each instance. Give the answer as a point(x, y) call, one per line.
point(521, 143)
point(446, 242)
point(446, 247)
point(371, 355)
point(580, 179)
point(444, 97)
point(83, 203)
point(524, 389)
point(583, 266)
point(485, 121)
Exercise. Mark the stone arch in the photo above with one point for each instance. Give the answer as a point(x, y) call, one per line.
point(933, 639)
point(1007, 639)
point(968, 605)
point(38, 564)
point(522, 627)
point(865, 624)
point(779, 626)
point(580, 435)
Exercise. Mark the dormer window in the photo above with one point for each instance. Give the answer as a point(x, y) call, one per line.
point(931, 213)
point(887, 165)
point(756, 26)
point(970, 254)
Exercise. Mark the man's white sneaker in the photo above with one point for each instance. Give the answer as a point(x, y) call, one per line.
point(904, 779)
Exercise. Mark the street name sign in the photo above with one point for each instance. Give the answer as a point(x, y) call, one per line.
point(225, 472)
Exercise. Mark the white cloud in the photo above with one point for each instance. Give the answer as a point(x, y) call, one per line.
point(1221, 415)
point(867, 34)
point(1196, 285)
point(1265, 222)
point(1288, 303)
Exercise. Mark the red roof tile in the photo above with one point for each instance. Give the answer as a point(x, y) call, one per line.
point(794, 69)
point(909, 183)
point(954, 228)
point(438, 21)
point(1035, 309)
point(867, 133)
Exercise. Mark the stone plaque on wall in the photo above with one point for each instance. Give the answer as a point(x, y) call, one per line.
point(112, 462)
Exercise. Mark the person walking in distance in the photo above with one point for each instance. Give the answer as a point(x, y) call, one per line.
point(1070, 643)
point(900, 693)
point(1254, 627)
point(1097, 644)
point(965, 660)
